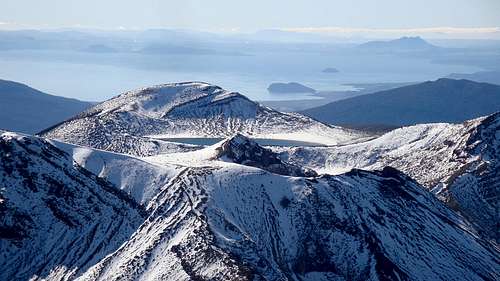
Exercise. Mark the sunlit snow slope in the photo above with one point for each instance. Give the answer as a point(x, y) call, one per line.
point(458, 162)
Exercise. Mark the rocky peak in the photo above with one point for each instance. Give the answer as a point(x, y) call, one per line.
point(242, 150)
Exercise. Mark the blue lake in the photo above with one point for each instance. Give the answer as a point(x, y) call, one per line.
point(97, 77)
point(264, 142)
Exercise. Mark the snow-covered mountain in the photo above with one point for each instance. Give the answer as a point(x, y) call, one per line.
point(27, 110)
point(458, 162)
point(215, 218)
point(136, 121)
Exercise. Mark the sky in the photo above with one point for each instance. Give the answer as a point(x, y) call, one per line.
point(248, 16)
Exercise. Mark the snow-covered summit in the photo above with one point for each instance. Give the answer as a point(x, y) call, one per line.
point(190, 109)
point(157, 101)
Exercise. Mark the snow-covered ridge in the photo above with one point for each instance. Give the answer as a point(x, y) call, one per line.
point(458, 162)
point(237, 149)
point(139, 179)
point(190, 109)
point(157, 101)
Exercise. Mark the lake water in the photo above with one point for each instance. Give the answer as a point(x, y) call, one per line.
point(97, 77)
point(264, 142)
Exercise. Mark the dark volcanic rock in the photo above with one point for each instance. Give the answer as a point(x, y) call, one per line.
point(242, 150)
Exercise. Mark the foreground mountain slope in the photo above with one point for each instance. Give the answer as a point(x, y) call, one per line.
point(27, 110)
point(443, 100)
point(190, 109)
point(245, 224)
point(458, 162)
point(56, 218)
point(220, 220)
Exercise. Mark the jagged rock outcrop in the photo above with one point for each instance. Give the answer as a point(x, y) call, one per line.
point(242, 150)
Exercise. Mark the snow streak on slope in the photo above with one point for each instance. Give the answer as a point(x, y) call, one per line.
point(241, 223)
point(139, 179)
point(460, 163)
point(56, 218)
point(190, 109)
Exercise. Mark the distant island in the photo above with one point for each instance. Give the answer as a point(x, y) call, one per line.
point(401, 44)
point(330, 70)
point(99, 48)
point(291, 87)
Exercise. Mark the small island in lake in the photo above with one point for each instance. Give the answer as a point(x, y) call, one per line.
point(330, 70)
point(99, 48)
point(291, 87)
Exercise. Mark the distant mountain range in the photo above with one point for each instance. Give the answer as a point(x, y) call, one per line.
point(443, 100)
point(27, 110)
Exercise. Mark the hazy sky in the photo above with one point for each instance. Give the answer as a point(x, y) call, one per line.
point(250, 15)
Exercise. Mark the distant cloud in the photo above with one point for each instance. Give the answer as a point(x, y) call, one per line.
point(47, 27)
point(6, 25)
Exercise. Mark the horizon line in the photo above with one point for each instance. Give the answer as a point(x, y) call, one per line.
point(321, 30)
